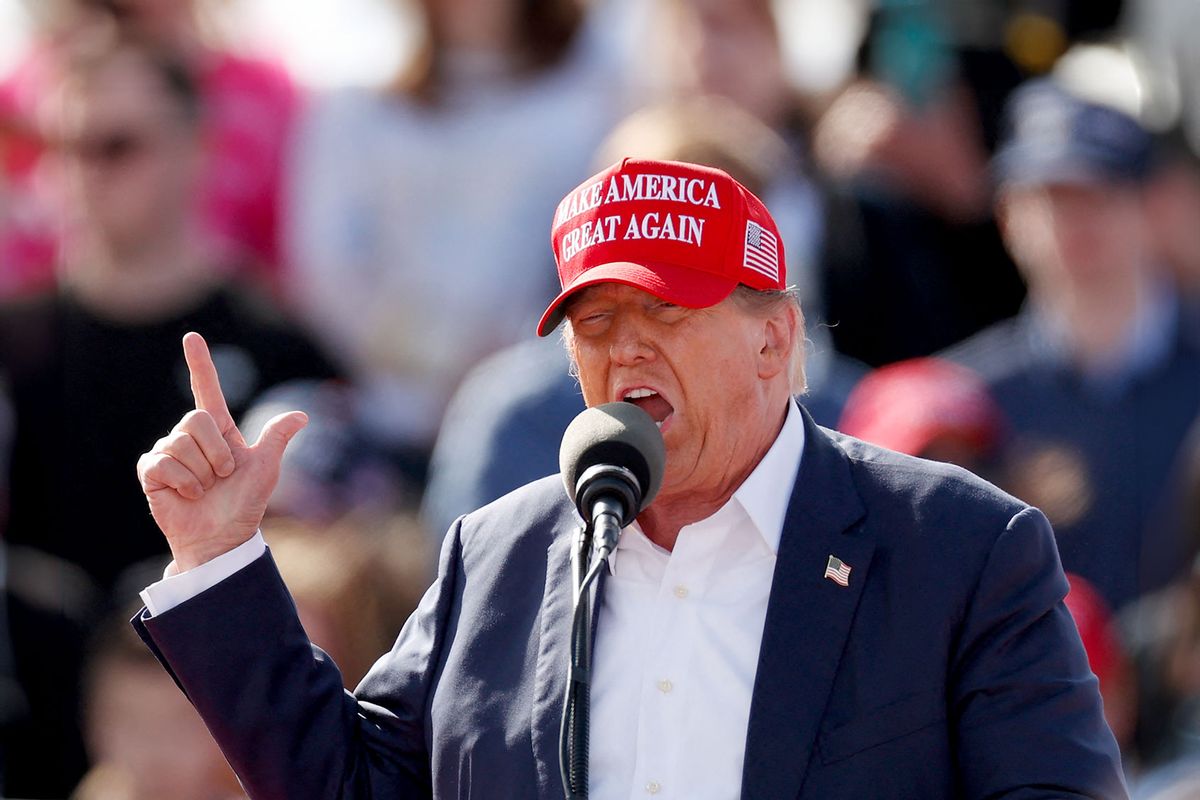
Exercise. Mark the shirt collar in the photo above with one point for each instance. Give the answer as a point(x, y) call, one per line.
point(767, 491)
point(764, 495)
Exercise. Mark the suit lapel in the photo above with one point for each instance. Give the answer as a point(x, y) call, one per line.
point(552, 659)
point(808, 619)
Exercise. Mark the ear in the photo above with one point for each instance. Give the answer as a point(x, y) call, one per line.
point(780, 335)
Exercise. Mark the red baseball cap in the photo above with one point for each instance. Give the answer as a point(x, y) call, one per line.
point(909, 405)
point(1097, 630)
point(685, 233)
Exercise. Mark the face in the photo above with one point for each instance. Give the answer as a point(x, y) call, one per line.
point(128, 157)
point(728, 49)
point(1172, 208)
point(1069, 235)
point(710, 377)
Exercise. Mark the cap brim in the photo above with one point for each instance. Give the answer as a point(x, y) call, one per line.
point(685, 286)
point(1026, 168)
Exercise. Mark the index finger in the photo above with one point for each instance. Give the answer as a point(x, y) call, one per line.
point(206, 386)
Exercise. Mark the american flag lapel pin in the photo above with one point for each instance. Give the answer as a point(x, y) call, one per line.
point(838, 571)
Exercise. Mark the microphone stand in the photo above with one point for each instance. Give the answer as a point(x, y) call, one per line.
point(573, 735)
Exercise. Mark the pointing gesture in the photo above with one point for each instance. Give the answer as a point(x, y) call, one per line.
point(207, 488)
point(206, 388)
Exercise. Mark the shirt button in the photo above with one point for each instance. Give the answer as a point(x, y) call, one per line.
point(653, 787)
point(681, 591)
point(665, 686)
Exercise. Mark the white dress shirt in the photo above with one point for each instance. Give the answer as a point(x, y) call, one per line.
point(677, 638)
point(677, 643)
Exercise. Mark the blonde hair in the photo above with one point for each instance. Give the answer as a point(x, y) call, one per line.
point(764, 302)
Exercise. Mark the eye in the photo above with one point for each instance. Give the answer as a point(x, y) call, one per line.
point(668, 311)
point(589, 318)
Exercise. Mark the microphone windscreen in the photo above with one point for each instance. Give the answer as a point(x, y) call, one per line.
point(620, 434)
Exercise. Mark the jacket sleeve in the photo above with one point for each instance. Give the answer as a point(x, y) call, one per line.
point(275, 703)
point(1028, 711)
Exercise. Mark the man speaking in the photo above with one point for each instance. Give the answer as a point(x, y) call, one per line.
point(797, 613)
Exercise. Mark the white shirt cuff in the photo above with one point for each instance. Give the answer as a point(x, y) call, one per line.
point(176, 589)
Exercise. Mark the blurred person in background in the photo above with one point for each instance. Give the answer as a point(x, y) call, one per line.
point(46, 608)
point(355, 582)
point(27, 251)
point(249, 104)
point(145, 740)
point(29, 224)
point(1172, 211)
point(1099, 376)
point(336, 469)
point(49, 606)
point(138, 273)
point(912, 261)
point(416, 212)
point(732, 49)
point(250, 107)
point(505, 423)
point(1163, 632)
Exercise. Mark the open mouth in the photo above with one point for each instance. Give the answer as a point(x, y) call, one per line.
point(652, 403)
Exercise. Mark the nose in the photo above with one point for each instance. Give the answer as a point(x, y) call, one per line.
point(629, 344)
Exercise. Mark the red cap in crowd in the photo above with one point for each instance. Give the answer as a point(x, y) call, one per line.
point(685, 233)
point(910, 405)
point(1097, 629)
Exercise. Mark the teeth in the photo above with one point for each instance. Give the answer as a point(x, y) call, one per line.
point(659, 424)
point(637, 394)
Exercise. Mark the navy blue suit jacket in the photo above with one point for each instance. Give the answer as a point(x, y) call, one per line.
point(948, 667)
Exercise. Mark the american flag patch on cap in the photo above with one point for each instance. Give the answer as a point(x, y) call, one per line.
point(762, 251)
point(838, 571)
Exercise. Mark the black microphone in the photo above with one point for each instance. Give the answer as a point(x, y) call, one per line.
point(612, 460)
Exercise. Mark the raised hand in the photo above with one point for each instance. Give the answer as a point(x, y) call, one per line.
point(207, 488)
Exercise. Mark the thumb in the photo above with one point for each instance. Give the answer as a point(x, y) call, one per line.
point(279, 431)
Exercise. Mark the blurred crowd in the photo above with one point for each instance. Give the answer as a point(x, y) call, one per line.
point(993, 221)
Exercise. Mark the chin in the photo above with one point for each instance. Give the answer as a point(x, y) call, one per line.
point(674, 479)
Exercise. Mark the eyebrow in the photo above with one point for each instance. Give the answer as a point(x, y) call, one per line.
point(578, 298)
